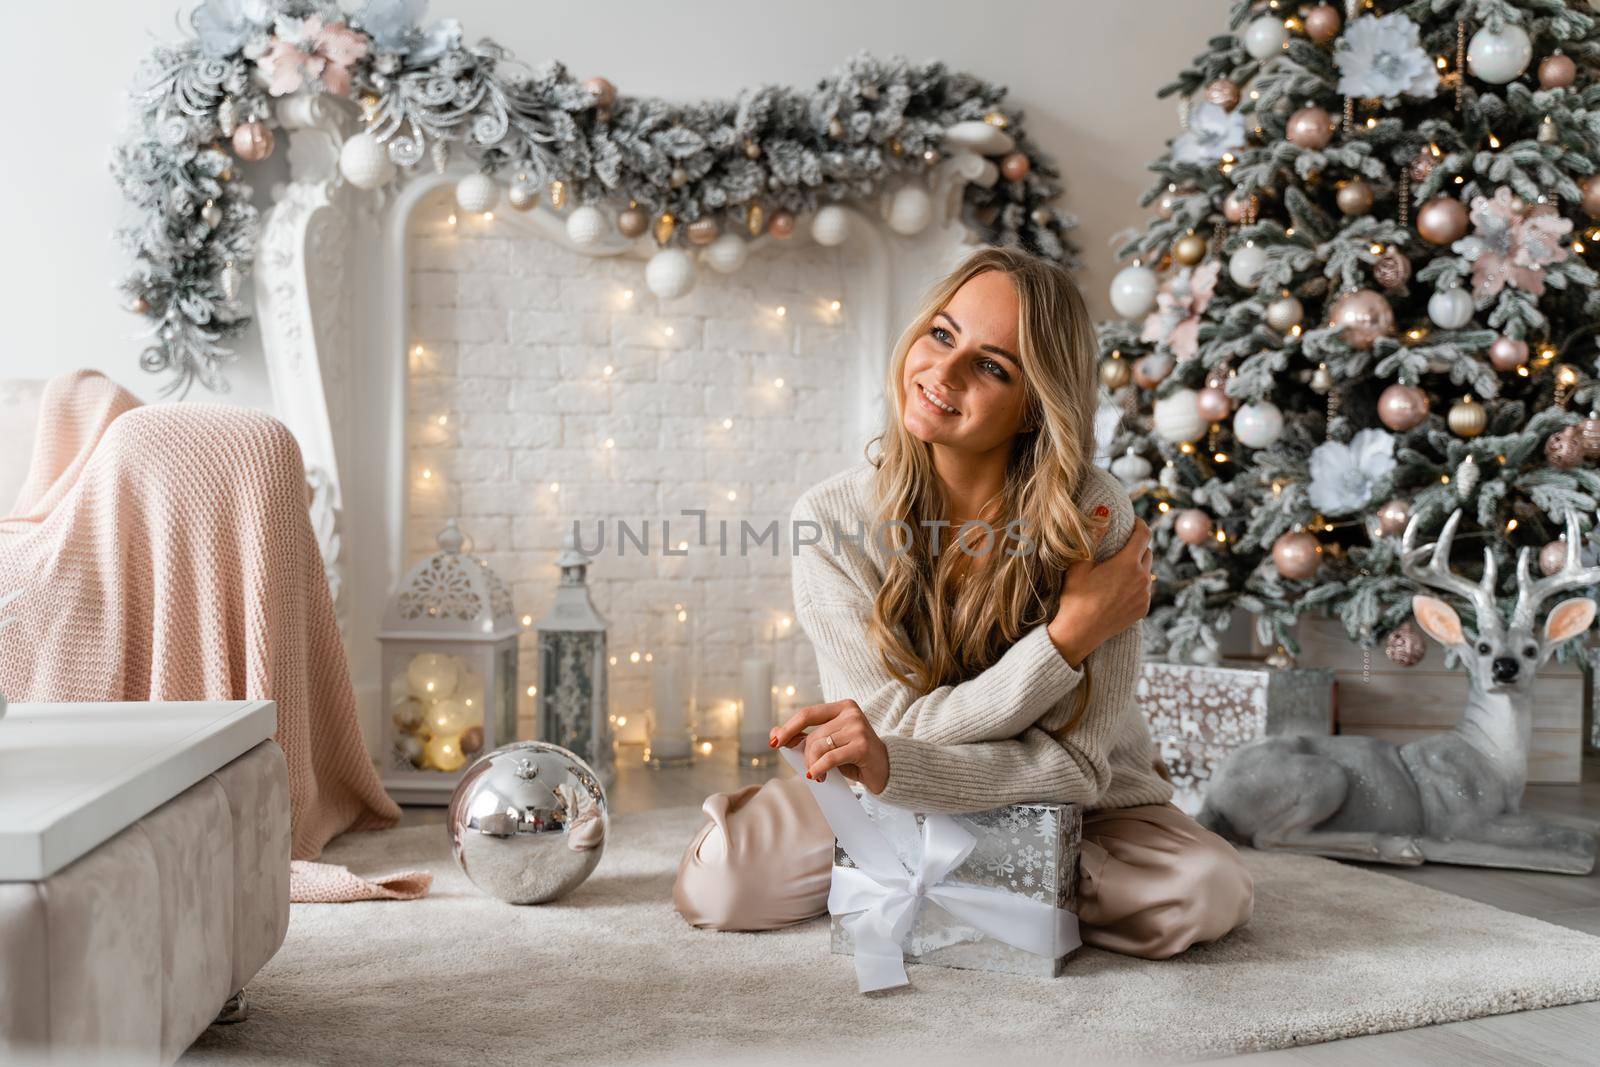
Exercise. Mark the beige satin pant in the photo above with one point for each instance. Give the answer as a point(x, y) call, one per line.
point(1151, 880)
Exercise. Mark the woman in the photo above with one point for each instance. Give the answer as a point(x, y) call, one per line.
point(997, 671)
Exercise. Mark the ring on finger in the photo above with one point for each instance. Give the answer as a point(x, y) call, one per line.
point(832, 742)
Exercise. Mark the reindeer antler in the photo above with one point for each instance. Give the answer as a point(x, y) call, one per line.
point(1532, 593)
point(1438, 574)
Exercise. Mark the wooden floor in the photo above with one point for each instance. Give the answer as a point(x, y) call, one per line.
point(1555, 1035)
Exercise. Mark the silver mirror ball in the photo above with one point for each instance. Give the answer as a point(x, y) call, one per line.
point(528, 822)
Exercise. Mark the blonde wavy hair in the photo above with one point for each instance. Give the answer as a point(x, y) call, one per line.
point(931, 630)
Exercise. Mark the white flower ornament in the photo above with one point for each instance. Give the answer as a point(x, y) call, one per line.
point(1382, 56)
point(1213, 133)
point(1344, 477)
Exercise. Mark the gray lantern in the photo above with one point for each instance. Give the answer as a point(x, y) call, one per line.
point(572, 669)
point(450, 667)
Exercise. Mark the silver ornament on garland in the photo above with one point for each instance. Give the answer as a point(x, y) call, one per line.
point(210, 213)
point(1466, 478)
point(229, 280)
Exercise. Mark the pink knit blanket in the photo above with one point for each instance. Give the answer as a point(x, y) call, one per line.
point(165, 552)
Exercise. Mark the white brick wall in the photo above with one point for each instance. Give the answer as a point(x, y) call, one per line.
point(514, 332)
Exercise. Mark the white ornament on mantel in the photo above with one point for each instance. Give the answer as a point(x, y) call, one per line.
point(1265, 37)
point(587, 225)
point(1258, 424)
point(670, 273)
point(726, 254)
point(1133, 292)
point(978, 137)
point(831, 226)
point(910, 209)
point(1499, 56)
point(364, 162)
point(477, 193)
point(1450, 309)
point(1177, 417)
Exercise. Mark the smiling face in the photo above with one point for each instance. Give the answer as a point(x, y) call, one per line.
point(962, 379)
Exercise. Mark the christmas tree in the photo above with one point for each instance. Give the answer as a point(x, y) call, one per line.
point(1365, 296)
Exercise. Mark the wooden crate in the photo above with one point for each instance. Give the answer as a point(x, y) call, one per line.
point(1405, 703)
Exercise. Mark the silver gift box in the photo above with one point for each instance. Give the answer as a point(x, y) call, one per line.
point(1200, 714)
point(1027, 849)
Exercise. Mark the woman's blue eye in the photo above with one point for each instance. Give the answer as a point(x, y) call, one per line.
point(991, 367)
point(941, 334)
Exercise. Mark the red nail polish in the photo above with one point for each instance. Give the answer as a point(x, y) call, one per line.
point(1102, 511)
point(772, 742)
point(808, 774)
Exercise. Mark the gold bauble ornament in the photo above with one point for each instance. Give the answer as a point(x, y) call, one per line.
point(665, 225)
point(1322, 23)
point(1297, 555)
point(1355, 197)
point(1393, 516)
point(1442, 220)
point(1590, 188)
point(1362, 316)
point(1467, 417)
point(896, 147)
point(755, 220)
point(835, 128)
point(1189, 249)
point(632, 221)
point(752, 150)
point(558, 194)
point(997, 119)
point(703, 231)
point(522, 196)
point(1114, 373)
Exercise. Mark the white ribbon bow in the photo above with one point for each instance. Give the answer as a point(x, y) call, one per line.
point(877, 900)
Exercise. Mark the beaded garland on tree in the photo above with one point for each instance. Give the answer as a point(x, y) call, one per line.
point(749, 166)
point(1404, 199)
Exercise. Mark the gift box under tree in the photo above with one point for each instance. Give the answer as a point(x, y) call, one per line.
point(1199, 714)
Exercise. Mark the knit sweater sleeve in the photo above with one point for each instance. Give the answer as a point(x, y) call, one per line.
point(1000, 756)
point(833, 604)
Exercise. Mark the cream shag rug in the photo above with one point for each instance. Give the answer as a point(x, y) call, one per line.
point(612, 974)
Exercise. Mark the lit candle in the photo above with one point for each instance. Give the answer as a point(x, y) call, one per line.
point(669, 739)
point(755, 717)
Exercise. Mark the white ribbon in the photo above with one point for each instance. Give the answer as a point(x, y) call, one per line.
point(877, 900)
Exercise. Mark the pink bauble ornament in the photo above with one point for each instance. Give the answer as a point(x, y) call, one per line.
point(1564, 449)
point(631, 222)
point(1557, 72)
point(1167, 203)
point(1224, 92)
point(781, 224)
point(1150, 371)
point(604, 93)
point(1213, 404)
point(704, 231)
point(1442, 220)
point(252, 142)
point(1405, 645)
point(1362, 316)
point(1354, 197)
point(1402, 407)
point(1322, 23)
point(1392, 517)
point(1508, 353)
point(1192, 526)
point(1297, 555)
point(1392, 269)
point(1015, 166)
point(1552, 557)
point(471, 739)
point(1233, 208)
point(1310, 127)
point(1590, 187)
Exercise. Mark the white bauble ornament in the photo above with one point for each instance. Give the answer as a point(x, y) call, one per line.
point(1203, 655)
point(726, 254)
point(1246, 265)
point(1285, 313)
point(831, 226)
point(977, 137)
point(587, 225)
point(1450, 309)
point(1131, 468)
point(1133, 292)
point(431, 676)
point(670, 273)
point(476, 193)
point(1258, 424)
point(910, 209)
point(1265, 37)
point(364, 162)
point(1499, 56)
point(1177, 417)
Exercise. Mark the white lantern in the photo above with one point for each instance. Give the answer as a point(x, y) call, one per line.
point(978, 137)
point(587, 225)
point(1133, 292)
point(364, 162)
point(1177, 417)
point(670, 273)
point(574, 708)
point(727, 253)
point(1247, 264)
point(477, 193)
point(910, 209)
point(1258, 424)
point(1499, 56)
point(449, 643)
point(1450, 309)
point(1131, 468)
point(831, 226)
point(1265, 37)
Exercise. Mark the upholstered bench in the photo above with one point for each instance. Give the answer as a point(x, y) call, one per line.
point(144, 872)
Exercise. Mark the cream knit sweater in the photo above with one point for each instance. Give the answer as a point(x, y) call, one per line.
point(988, 741)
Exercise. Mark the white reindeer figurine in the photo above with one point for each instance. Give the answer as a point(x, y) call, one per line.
point(1452, 797)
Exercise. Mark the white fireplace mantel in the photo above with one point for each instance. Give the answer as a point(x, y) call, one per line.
point(332, 291)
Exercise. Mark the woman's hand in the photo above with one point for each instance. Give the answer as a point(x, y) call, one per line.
point(1101, 599)
point(840, 737)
